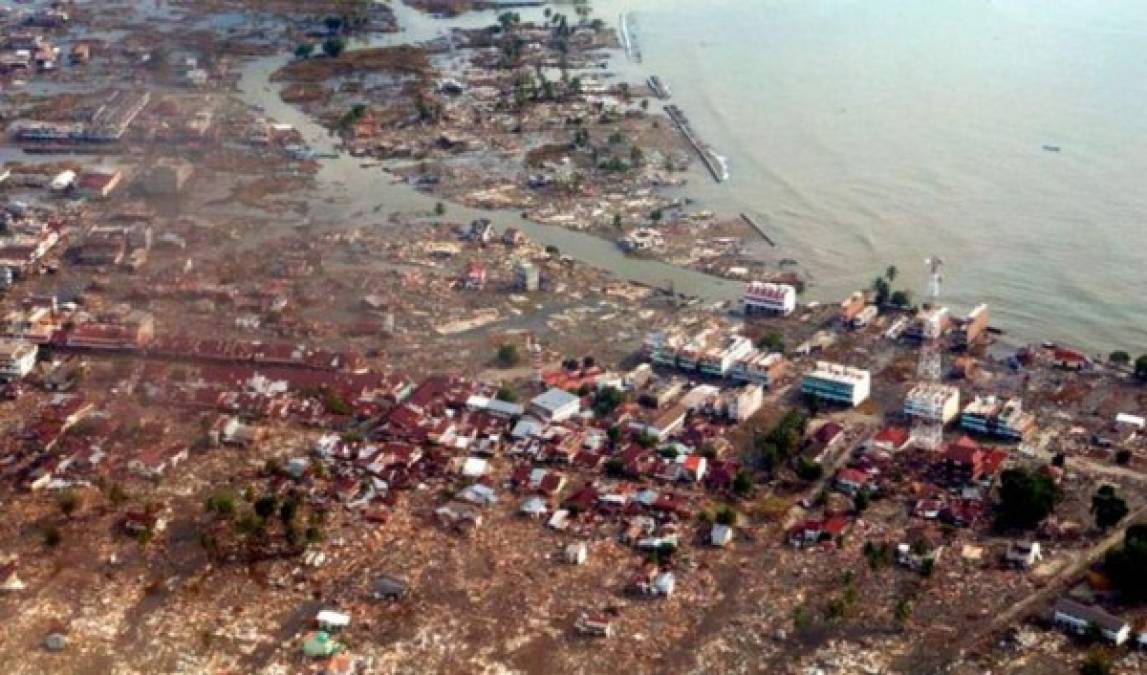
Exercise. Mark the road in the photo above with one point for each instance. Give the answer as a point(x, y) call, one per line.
point(1056, 585)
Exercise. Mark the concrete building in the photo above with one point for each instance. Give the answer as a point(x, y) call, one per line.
point(165, 178)
point(555, 405)
point(865, 316)
point(972, 327)
point(763, 368)
point(1001, 418)
point(929, 324)
point(527, 277)
point(743, 403)
point(719, 358)
point(1078, 618)
point(933, 402)
point(17, 358)
point(851, 306)
point(768, 298)
point(98, 182)
point(660, 424)
point(837, 383)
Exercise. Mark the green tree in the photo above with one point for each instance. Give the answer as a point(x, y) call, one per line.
point(1123, 457)
point(51, 536)
point(68, 501)
point(742, 483)
point(726, 516)
point(304, 50)
point(506, 394)
point(337, 405)
point(288, 511)
point(606, 400)
point(508, 356)
point(772, 342)
point(882, 290)
point(903, 610)
point(809, 470)
point(1141, 368)
point(439, 209)
point(890, 273)
point(265, 506)
point(655, 216)
point(333, 23)
point(1098, 662)
point(1124, 565)
point(1026, 498)
point(334, 47)
point(900, 298)
point(1119, 358)
point(508, 21)
point(1107, 507)
point(221, 504)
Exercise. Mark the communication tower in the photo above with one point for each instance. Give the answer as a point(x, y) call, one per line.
point(926, 433)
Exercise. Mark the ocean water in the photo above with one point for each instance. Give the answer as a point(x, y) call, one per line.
point(874, 132)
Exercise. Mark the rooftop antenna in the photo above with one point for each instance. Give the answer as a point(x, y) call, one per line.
point(536, 359)
point(929, 433)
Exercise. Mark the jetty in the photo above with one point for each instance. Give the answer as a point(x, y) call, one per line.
point(712, 161)
point(658, 87)
point(759, 228)
point(628, 43)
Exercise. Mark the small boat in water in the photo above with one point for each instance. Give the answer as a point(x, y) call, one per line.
point(1051, 148)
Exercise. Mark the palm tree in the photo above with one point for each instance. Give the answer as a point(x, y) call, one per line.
point(891, 273)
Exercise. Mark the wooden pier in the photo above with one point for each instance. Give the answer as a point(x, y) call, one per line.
point(758, 227)
point(708, 158)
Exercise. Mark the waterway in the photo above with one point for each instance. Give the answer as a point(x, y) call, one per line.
point(867, 133)
point(346, 189)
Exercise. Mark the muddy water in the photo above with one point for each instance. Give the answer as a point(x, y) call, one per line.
point(346, 190)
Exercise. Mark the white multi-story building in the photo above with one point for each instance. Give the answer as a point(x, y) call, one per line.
point(763, 368)
point(661, 347)
point(933, 401)
point(837, 383)
point(689, 355)
point(719, 359)
point(17, 358)
point(743, 403)
point(994, 416)
point(768, 298)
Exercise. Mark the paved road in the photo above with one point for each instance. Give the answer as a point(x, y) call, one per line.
point(1057, 584)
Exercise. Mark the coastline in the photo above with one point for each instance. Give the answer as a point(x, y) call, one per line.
point(823, 282)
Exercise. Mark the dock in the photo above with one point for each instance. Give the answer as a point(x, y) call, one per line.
point(713, 162)
point(759, 228)
point(658, 87)
point(628, 42)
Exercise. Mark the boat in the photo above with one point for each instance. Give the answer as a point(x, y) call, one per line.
point(1051, 148)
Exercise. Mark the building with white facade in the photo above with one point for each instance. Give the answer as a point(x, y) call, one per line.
point(17, 358)
point(719, 358)
point(994, 416)
point(837, 383)
point(768, 298)
point(933, 402)
point(555, 405)
point(763, 368)
point(743, 403)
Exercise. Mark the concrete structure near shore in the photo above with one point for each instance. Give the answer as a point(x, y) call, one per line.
point(165, 178)
point(933, 402)
point(769, 298)
point(837, 383)
point(1002, 418)
point(17, 358)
